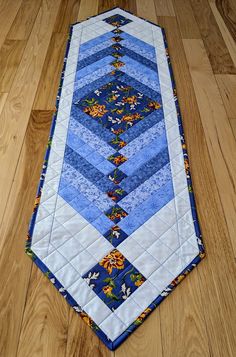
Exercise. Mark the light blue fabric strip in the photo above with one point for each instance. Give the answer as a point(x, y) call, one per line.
point(92, 50)
point(130, 166)
point(142, 73)
point(88, 137)
point(88, 70)
point(142, 140)
point(135, 44)
point(86, 208)
point(143, 125)
point(78, 94)
point(141, 51)
point(93, 76)
point(94, 42)
point(142, 192)
point(83, 149)
point(86, 187)
point(147, 209)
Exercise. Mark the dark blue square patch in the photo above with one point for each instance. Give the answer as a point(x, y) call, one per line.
point(117, 20)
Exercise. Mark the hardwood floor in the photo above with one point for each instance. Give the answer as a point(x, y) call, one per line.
point(199, 318)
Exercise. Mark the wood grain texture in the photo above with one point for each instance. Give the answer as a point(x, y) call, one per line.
point(186, 322)
point(10, 56)
point(82, 341)
point(220, 260)
point(227, 86)
point(3, 98)
point(50, 76)
point(227, 9)
point(229, 41)
point(220, 140)
point(182, 316)
point(68, 13)
point(145, 341)
point(24, 20)
point(129, 5)
point(164, 7)
point(21, 96)
point(87, 8)
point(8, 12)
point(45, 322)
point(147, 10)
point(216, 48)
point(186, 20)
point(199, 318)
point(233, 125)
point(15, 266)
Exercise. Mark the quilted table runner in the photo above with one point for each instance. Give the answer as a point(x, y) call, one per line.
point(114, 226)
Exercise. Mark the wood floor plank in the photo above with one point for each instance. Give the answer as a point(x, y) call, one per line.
point(82, 341)
point(50, 76)
point(10, 56)
point(217, 284)
point(146, 9)
point(229, 41)
point(24, 20)
point(3, 98)
point(164, 7)
point(45, 321)
point(14, 45)
point(8, 12)
point(227, 9)
point(49, 81)
point(217, 51)
point(186, 20)
point(176, 319)
point(220, 254)
point(67, 15)
point(220, 140)
point(184, 321)
point(129, 5)
point(233, 125)
point(21, 96)
point(144, 341)
point(15, 266)
point(87, 8)
point(227, 86)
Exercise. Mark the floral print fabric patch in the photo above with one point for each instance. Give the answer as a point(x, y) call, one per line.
point(114, 226)
point(114, 279)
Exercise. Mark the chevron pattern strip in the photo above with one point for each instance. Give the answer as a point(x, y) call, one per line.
point(114, 225)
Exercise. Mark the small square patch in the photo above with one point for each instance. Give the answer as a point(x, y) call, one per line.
point(116, 213)
point(115, 235)
point(117, 194)
point(117, 159)
point(114, 279)
point(116, 176)
point(117, 20)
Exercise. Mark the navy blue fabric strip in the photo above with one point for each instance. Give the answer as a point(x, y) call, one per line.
point(145, 171)
point(125, 78)
point(90, 172)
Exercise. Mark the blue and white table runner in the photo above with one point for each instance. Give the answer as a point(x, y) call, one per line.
point(115, 226)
